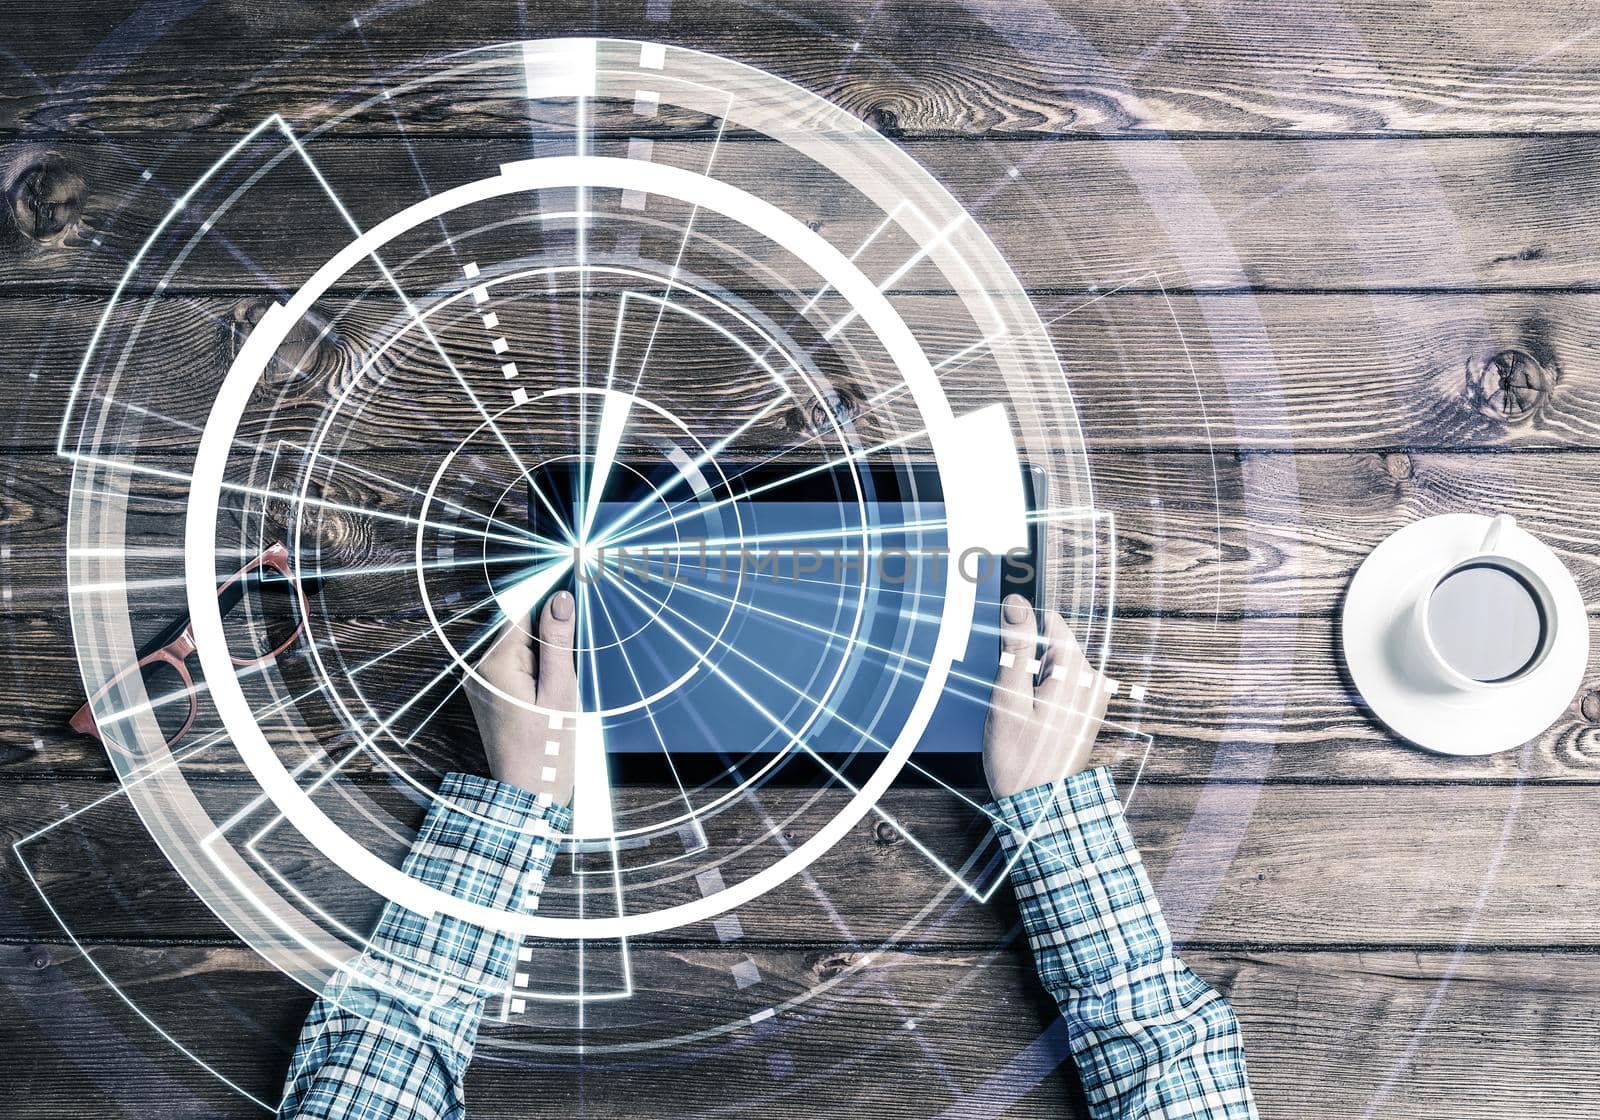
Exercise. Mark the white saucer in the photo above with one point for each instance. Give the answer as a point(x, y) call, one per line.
point(1430, 715)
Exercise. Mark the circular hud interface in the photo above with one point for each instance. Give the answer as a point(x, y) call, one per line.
point(704, 349)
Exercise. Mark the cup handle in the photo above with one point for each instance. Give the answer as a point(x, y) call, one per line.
point(1497, 528)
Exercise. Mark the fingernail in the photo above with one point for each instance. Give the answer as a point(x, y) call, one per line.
point(1016, 608)
point(561, 606)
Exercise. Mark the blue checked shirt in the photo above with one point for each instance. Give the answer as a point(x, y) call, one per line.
point(1150, 1038)
point(392, 1035)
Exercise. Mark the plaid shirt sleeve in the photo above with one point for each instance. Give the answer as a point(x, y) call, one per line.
point(394, 1031)
point(1150, 1038)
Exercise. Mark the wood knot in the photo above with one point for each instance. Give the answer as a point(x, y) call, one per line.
point(886, 834)
point(885, 120)
point(1590, 706)
point(47, 199)
point(831, 966)
point(1398, 465)
point(831, 407)
point(1509, 386)
point(297, 357)
point(38, 957)
point(335, 536)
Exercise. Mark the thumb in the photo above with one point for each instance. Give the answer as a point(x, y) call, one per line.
point(558, 679)
point(1013, 684)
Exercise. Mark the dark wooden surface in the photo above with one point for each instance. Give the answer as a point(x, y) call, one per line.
point(1405, 192)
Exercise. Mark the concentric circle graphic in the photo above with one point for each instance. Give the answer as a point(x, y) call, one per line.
point(608, 351)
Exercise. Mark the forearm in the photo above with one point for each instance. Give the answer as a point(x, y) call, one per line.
point(393, 1033)
point(1150, 1038)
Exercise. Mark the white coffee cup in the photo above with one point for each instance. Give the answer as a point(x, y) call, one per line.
point(1482, 622)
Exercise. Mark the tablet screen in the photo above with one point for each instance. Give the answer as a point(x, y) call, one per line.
point(778, 621)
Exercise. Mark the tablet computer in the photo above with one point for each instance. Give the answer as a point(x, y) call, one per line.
point(739, 612)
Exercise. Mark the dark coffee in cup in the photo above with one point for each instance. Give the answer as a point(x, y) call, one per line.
point(1487, 622)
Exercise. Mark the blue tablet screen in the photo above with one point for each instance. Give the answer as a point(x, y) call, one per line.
point(779, 625)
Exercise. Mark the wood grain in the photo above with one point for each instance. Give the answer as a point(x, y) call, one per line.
point(1406, 1035)
point(1148, 374)
point(983, 70)
point(1469, 215)
point(1195, 534)
point(1352, 252)
point(1250, 698)
point(1229, 862)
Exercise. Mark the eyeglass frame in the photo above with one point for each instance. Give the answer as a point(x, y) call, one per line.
point(176, 644)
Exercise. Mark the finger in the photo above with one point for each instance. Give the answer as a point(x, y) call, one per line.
point(1013, 684)
point(1065, 669)
point(557, 685)
point(513, 645)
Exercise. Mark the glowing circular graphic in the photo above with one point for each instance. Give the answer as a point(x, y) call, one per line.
point(759, 397)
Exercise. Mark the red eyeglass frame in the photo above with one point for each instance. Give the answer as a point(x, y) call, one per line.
point(176, 651)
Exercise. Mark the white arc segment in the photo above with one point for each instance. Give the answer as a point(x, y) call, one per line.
point(615, 408)
point(592, 817)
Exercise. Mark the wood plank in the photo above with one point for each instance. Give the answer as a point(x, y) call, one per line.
point(982, 70)
point(1323, 215)
point(1258, 697)
point(1386, 1034)
point(1195, 534)
point(1431, 866)
point(1279, 372)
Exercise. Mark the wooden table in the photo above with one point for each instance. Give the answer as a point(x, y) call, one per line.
point(1372, 225)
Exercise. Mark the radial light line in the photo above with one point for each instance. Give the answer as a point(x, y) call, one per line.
point(581, 197)
point(202, 685)
point(327, 918)
point(282, 443)
point(670, 518)
point(487, 519)
point(411, 308)
point(1045, 516)
point(368, 741)
point(518, 600)
point(701, 460)
point(878, 400)
point(797, 741)
point(900, 655)
point(765, 411)
point(722, 444)
point(384, 725)
point(321, 503)
point(278, 818)
point(683, 243)
point(703, 658)
point(696, 543)
point(834, 713)
point(545, 553)
point(894, 277)
point(319, 573)
point(358, 748)
point(415, 638)
point(149, 705)
point(607, 442)
point(144, 771)
point(1041, 329)
point(614, 412)
point(649, 711)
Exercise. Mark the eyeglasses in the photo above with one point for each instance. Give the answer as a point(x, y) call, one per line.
point(164, 666)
